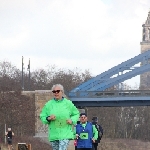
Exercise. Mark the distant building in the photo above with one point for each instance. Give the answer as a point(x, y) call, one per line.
point(145, 45)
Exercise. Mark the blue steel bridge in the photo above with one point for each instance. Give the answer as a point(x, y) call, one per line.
point(92, 93)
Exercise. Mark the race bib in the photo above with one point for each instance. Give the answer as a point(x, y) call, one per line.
point(84, 136)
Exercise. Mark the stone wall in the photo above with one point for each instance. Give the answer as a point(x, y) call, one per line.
point(41, 97)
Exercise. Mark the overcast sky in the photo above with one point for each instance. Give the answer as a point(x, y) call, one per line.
point(87, 34)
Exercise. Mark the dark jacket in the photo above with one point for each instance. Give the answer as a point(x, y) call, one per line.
point(100, 132)
point(9, 135)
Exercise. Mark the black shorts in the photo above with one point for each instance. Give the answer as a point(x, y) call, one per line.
point(95, 144)
point(84, 149)
point(9, 140)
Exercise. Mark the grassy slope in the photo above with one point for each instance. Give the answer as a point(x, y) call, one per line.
point(123, 144)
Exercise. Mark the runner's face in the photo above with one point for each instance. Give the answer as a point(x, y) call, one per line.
point(57, 92)
point(83, 119)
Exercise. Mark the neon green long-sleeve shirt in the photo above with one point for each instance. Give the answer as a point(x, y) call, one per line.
point(64, 109)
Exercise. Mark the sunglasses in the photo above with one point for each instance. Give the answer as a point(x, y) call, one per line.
point(57, 91)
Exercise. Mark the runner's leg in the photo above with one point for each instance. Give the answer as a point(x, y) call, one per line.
point(55, 145)
point(63, 144)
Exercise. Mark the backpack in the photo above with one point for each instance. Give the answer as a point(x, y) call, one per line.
point(100, 131)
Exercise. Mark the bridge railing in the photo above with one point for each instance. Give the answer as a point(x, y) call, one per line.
point(98, 94)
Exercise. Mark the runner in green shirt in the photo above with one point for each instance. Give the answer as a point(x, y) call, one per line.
point(60, 114)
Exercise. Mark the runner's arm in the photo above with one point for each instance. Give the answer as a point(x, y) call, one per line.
point(95, 132)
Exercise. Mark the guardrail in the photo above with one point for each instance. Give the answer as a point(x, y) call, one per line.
point(100, 94)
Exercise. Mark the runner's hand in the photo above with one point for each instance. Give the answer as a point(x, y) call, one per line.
point(52, 117)
point(77, 136)
point(69, 121)
point(93, 140)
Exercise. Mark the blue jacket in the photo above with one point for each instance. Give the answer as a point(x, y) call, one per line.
point(85, 135)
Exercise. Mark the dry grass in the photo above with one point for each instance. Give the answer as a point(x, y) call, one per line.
point(123, 144)
point(36, 143)
point(106, 144)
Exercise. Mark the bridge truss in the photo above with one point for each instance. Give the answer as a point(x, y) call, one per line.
point(124, 71)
